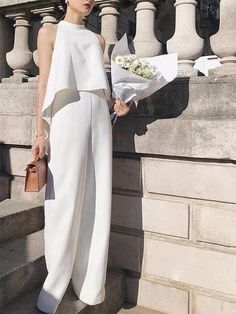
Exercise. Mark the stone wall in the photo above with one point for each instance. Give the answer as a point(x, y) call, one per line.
point(174, 202)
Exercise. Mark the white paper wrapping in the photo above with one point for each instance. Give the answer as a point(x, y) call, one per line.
point(129, 86)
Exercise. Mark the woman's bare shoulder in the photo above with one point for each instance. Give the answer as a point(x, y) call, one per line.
point(47, 33)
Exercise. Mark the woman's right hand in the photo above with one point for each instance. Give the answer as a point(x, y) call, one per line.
point(121, 108)
point(38, 147)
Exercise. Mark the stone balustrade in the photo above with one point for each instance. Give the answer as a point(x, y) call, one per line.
point(223, 43)
point(22, 20)
point(185, 40)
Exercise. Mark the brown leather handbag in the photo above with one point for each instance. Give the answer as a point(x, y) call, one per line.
point(36, 174)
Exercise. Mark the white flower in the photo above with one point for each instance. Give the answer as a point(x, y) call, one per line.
point(133, 64)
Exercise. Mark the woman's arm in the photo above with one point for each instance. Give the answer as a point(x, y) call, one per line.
point(45, 49)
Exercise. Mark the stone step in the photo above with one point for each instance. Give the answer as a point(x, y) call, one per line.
point(70, 304)
point(22, 266)
point(17, 191)
point(19, 217)
point(4, 186)
point(129, 308)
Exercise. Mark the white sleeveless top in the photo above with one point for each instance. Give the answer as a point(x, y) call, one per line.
point(77, 63)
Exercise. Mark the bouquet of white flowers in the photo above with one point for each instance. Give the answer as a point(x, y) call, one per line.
point(136, 78)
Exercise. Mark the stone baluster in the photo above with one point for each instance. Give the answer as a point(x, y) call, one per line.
point(223, 43)
point(185, 41)
point(109, 20)
point(48, 15)
point(20, 57)
point(145, 42)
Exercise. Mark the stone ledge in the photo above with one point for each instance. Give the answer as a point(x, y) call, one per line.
point(7, 3)
point(18, 99)
point(190, 117)
point(197, 97)
point(176, 137)
point(17, 159)
point(13, 215)
point(70, 303)
point(22, 266)
point(17, 191)
point(16, 129)
point(193, 117)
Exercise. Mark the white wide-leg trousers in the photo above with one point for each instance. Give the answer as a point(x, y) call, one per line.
point(78, 201)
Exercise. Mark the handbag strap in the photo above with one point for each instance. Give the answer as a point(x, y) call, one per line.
point(35, 159)
point(32, 165)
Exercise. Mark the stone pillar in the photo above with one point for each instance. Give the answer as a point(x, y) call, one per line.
point(145, 42)
point(223, 43)
point(20, 57)
point(185, 40)
point(48, 15)
point(109, 19)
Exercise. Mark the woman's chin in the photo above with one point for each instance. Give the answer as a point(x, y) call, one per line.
point(87, 10)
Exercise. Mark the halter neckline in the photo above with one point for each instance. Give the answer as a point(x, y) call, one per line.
point(72, 25)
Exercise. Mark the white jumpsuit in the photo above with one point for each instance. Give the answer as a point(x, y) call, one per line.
point(79, 180)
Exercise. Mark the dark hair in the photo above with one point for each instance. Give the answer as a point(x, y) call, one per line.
point(64, 5)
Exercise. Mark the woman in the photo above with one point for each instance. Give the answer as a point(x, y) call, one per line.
point(74, 128)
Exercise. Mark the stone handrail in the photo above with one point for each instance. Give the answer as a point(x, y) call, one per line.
point(19, 55)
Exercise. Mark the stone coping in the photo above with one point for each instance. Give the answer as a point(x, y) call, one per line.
point(4, 3)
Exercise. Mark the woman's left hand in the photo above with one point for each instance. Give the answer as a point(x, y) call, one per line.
point(121, 108)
